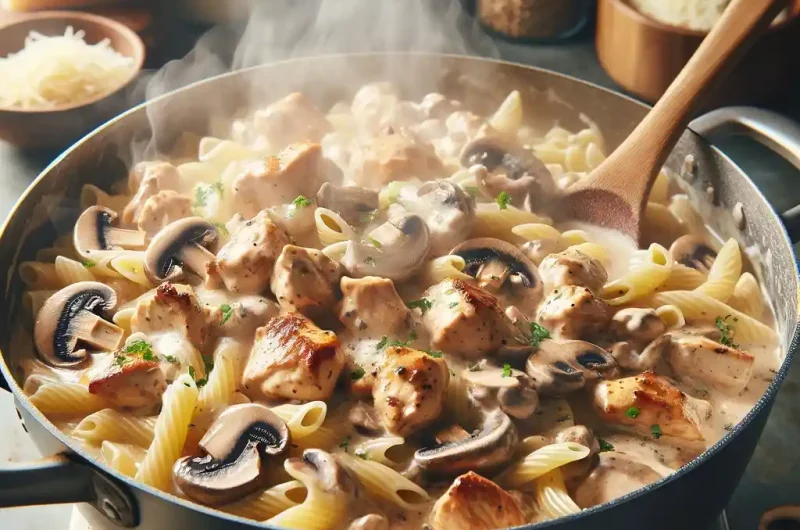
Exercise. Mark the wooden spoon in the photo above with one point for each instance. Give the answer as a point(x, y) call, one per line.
point(615, 193)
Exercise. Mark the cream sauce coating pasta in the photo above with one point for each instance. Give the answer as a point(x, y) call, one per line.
point(390, 286)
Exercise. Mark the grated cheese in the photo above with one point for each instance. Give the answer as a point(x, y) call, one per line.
point(60, 70)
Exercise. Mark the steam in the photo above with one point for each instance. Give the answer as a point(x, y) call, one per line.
point(276, 30)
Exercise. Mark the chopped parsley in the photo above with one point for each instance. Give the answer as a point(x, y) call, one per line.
point(218, 187)
point(382, 343)
point(502, 200)
point(374, 242)
point(89, 263)
point(357, 374)
point(227, 313)
point(450, 291)
point(221, 227)
point(362, 454)
point(423, 304)
point(301, 201)
point(199, 382)
point(370, 261)
point(632, 412)
point(452, 305)
point(121, 360)
point(171, 359)
point(201, 193)
point(435, 354)
point(506, 370)
point(726, 330)
point(655, 430)
point(368, 217)
point(142, 349)
point(538, 334)
point(345, 443)
point(412, 335)
point(604, 445)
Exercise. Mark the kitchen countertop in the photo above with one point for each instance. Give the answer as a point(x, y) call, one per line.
point(773, 476)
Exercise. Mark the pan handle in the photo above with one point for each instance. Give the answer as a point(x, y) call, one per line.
point(60, 479)
point(776, 132)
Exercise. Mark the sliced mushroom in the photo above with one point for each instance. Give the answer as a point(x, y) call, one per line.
point(500, 268)
point(185, 244)
point(649, 358)
point(509, 389)
point(561, 367)
point(448, 211)
point(365, 419)
point(94, 233)
point(394, 250)
point(511, 169)
point(74, 317)
point(238, 446)
point(638, 325)
point(693, 252)
point(352, 203)
point(486, 449)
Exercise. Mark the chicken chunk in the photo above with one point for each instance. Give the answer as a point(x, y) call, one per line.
point(246, 262)
point(476, 503)
point(409, 390)
point(172, 308)
point(149, 179)
point(131, 383)
point(616, 475)
point(371, 308)
point(465, 320)
point(391, 156)
point(572, 267)
point(240, 317)
point(638, 326)
point(435, 105)
point(292, 359)
point(573, 312)
point(161, 209)
point(701, 359)
point(300, 169)
point(291, 119)
point(652, 406)
point(306, 280)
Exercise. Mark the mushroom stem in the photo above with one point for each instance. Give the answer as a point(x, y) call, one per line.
point(127, 239)
point(492, 275)
point(196, 257)
point(97, 332)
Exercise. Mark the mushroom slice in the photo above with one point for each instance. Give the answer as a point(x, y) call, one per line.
point(238, 447)
point(488, 448)
point(448, 211)
point(188, 243)
point(352, 203)
point(500, 268)
point(639, 326)
point(510, 168)
point(395, 250)
point(692, 251)
point(509, 389)
point(73, 317)
point(476, 503)
point(94, 233)
point(560, 367)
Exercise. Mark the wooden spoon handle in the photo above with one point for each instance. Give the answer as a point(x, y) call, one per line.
point(649, 145)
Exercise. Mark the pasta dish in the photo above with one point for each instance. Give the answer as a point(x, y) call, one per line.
point(375, 318)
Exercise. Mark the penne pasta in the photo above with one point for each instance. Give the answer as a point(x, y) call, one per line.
point(122, 457)
point(70, 271)
point(747, 296)
point(683, 278)
point(385, 483)
point(39, 276)
point(724, 273)
point(672, 316)
point(302, 420)
point(497, 223)
point(541, 461)
point(269, 502)
point(646, 273)
point(331, 228)
point(65, 399)
point(390, 451)
point(552, 496)
point(444, 267)
point(113, 426)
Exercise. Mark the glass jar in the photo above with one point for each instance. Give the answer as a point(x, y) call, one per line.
point(534, 20)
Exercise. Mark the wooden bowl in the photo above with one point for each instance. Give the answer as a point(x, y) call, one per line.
point(644, 56)
point(58, 127)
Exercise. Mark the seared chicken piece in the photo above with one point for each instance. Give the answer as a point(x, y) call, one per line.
point(131, 383)
point(246, 262)
point(292, 359)
point(476, 503)
point(638, 326)
point(306, 280)
point(435, 105)
point(465, 320)
point(573, 312)
point(371, 308)
point(149, 178)
point(616, 475)
point(409, 390)
point(300, 169)
point(391, 156)
point(291, 119)
point(241, 317)
point(161, 209)
point(572, 267)
point(701, 359)
point(172, 308)
point(646, 401)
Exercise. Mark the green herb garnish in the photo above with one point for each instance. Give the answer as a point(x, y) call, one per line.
point(357, 374)
point(433, 353)
point(368, 217)
point(726, 331)
point(655, 430)
point(301, 201)
point(227, 313)
point(345, 443)
point(382, 343)
point(452, 305)
point(423, 304)
point(604, 445)
point(506, 370)
point(199, 382)
point(538, 334)
point(360, 453)
point(142, 349)
point(221, 227)
point(120, 360)
point(171, 359)
point(218, 187)
point(632, 412)
point(89, 263)
point(502, 200)
point(374, 242)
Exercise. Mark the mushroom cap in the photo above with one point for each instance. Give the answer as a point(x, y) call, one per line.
point(57, 320)
point(486, 449)
point(350, 202)
point(238, 446)
point(560, 367)
point(89, 234)
point(449, 194)
point(320, 468)
point(692, 251)
point(512, 392)
point(161, 259)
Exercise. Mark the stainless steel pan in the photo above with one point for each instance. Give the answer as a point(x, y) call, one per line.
point(690, 498)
